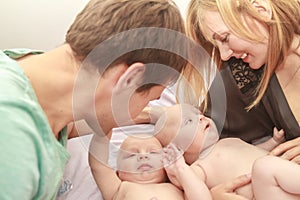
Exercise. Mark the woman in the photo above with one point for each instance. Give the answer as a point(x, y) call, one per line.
point(256, 44)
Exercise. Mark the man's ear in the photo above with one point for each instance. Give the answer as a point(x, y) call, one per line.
point(131, 78)
point(263, 7)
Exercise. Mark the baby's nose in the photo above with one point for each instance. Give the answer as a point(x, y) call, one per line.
point(201, 117)
point(143, 156)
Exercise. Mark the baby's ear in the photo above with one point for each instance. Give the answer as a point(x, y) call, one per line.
point(263, 7)
point(131, 78)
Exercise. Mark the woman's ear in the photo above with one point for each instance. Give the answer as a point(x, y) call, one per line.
point(263, 7)
point(131, 78)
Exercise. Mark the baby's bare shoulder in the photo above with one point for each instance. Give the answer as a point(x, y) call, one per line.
point(237, 146)
point(231, 142)
point(234, 145)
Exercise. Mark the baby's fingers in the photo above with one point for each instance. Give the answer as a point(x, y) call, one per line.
point(278, 136)
point(171, 154)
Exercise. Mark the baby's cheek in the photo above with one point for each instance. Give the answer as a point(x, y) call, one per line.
point(127, 166)
point(158, 162)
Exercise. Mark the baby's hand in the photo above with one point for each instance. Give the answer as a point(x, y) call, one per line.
point(278, 136)
point(172, 156)
point(270, 144)
point(173, 161)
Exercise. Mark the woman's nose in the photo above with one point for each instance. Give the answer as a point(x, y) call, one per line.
point(142, 157)
point(225, 52)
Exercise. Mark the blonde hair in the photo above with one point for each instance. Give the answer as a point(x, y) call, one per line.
point(283, 26)
point(191, 86)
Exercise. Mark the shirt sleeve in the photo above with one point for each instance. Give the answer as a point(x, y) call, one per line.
point(19, 170)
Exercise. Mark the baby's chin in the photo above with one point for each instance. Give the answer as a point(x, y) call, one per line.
point(212, 137)
point(149, 178)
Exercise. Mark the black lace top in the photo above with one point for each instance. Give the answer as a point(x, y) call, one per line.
point(232, 119)
point(246, 78)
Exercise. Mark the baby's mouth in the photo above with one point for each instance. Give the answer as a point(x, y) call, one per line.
point(144, 167)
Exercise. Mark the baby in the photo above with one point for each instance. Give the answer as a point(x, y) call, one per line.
point(140, 173)
point(220, 161)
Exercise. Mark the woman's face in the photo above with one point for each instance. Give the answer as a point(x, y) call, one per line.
point(231, 45)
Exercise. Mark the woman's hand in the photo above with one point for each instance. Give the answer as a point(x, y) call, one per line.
point(289, 150)
point(226, 191)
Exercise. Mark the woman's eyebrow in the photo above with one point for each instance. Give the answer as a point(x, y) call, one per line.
point(216, 36)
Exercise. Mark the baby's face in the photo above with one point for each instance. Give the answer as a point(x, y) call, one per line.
point(140, 160)
point(189, 127)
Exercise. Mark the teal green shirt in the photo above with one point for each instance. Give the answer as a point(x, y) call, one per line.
point(32, 160)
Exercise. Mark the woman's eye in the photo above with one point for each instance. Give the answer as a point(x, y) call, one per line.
point(225, 38)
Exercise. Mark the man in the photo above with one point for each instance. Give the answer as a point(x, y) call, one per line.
point(102, 75)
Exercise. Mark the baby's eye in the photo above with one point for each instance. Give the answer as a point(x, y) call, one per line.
point(188, 121)
point(130, 155)
point(154, 152)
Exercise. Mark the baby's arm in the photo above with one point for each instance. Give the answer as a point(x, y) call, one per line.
point(106, 178)
point(278, 138)
point(183, 176)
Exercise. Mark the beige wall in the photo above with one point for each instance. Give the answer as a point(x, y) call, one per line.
point(40, 24)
